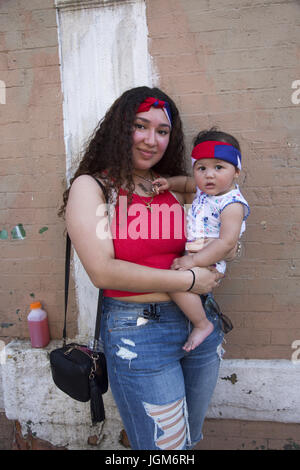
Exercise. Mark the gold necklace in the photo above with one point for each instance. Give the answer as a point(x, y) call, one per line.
point(153, 193)
point(150, 193)
point(147, 204)
point(143, 178)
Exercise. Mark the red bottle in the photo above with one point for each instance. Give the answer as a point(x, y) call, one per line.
point(38, 326)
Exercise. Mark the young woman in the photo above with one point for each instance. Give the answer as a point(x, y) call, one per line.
point(162, 392)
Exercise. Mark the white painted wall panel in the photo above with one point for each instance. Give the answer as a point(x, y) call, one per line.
point(104, 51)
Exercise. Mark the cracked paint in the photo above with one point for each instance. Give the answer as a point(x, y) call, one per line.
point(232, 378)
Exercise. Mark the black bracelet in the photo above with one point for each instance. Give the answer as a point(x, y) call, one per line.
point(194, 279)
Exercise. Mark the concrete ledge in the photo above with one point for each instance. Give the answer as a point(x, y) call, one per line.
point(254, 390)
point(31, 397)
point(257, 390)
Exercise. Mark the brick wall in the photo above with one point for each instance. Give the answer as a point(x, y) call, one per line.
point(32, 166)
point(232, 64)
point(231, 434)
point(226, 63)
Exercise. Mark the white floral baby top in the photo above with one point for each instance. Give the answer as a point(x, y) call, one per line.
point(203, 219)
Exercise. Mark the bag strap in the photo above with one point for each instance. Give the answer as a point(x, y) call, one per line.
point(67, 279)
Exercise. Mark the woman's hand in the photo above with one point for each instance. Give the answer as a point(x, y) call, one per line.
point(206, 279)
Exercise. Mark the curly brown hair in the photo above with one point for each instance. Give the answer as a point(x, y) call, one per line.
point(108, 153)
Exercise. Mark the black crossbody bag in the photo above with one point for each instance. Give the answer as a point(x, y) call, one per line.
point(77, 370)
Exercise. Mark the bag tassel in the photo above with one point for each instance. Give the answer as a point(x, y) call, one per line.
point(96, 403)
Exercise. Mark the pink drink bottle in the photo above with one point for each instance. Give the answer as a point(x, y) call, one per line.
point(38, 326)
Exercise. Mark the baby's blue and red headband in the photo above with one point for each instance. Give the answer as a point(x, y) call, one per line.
point(219, 150)
point(164, 105)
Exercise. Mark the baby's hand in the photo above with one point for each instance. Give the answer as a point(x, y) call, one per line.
point(185, 262)
point(160, 185)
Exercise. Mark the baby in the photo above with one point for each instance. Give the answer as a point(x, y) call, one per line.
point(215, 221)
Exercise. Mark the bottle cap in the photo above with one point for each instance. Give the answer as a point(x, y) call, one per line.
point(35, 305)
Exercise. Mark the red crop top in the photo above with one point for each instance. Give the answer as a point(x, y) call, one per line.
point(149, 238)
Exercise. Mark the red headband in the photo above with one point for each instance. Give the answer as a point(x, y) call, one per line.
point(219, 150)
point(164, 105)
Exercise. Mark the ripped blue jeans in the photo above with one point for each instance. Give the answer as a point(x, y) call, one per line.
point(161, 391)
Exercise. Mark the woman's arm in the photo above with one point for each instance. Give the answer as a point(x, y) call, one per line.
point(84, 218)
point(218, 248)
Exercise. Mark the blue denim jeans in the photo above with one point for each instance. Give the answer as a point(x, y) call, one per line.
point(161, 391)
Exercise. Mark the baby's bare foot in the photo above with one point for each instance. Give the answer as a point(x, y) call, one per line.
point(198, 335)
